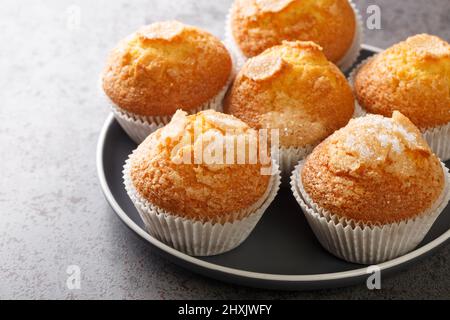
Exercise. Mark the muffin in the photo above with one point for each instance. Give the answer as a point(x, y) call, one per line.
point(372, 190)
point(256, 25)
point(294, 89)
point(163, 67)
point(412, 77)
point(192, 192)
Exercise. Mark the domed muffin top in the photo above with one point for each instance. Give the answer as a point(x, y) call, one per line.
point(166, 66)
point(376, 170)
point(293, 88)
point(412, 77)
point(260, 24)
point(200, 166)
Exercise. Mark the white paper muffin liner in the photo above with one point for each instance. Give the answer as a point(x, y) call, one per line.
point(198, 238)
point(438, 138)
point(344, 64)
point(355, 50)
point(366, 244)
point(289, 158)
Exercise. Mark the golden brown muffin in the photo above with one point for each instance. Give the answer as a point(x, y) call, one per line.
point(376, 170)
point(167, 171)
point(293, 88)
point(164, 67)
point(412, 77)
point(260, 24)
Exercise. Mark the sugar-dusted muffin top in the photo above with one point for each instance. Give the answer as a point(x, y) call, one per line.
point(412, 77)
point(293, 88)
point(260, 24)
point(176, 167)
point(166, 66)
point(375, 170)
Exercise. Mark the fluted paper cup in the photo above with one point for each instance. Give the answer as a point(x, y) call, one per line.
point(200, 238)
point(439, 140)
point(361, 243)
point(289, 158)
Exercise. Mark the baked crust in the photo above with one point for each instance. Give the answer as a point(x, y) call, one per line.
point(293, 88)
point(412, 77)
point(260, 24)
point(376, 171)
point(164, 67)
point(206, 191)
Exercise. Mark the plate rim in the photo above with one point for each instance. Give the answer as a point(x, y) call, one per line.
point(249, 275)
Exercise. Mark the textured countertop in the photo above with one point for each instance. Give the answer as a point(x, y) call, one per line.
point(52, 210)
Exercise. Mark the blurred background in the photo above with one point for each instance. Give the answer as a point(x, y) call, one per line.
point(52, 211)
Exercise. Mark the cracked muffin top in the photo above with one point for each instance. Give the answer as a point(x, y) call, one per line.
point(166, 66)
point(412, 77)
point(293, 88)
point(171, 169)
point(376, 170)
point(260, 24)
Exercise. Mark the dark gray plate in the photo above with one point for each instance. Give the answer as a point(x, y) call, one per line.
point(281, 253)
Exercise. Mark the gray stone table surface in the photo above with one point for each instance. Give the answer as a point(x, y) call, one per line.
point(52, 211)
